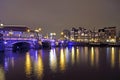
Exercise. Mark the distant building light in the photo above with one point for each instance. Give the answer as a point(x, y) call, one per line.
point(62, 41)
point(36, 30)
point(10, 33)
point(107, 40)
point(62, 33)
point(82, 34)
point(52, 34)
point(39, 29)
point(32, 35)
point(28, 30)
point(1, 24)
point(86, 34)
point(112, 40)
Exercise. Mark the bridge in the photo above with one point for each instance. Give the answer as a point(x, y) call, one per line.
point(16, 43)
point(9, 42)
point(20, 39)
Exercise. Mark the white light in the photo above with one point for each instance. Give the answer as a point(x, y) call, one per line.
point(82, 34)
point(107, 40)
point(51, 34)
point(1, 24)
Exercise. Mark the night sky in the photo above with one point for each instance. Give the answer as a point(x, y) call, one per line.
point(56, 15)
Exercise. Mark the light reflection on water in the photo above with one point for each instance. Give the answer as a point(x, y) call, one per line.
point(73, 56)
point(113, 57)
point(53, 60)
point(36, 64)
point(62, 60)
point(2, 73)
point(38, 67)
point(119, 58)
point(78, 56)
point(92, 56)
point(28, 67)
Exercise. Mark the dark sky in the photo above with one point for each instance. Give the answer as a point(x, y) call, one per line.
point(56, 15)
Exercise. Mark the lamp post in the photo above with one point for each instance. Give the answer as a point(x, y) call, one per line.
point(1, 25)
point(52, 35)
point(62, 35)
point(37, 32)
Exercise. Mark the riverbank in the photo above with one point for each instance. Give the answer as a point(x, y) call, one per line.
point(99, 44)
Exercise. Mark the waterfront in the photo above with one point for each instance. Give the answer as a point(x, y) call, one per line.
point(70, 63)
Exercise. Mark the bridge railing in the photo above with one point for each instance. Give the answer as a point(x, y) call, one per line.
point(11, 38)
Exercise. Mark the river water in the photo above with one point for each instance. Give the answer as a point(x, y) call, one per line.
point(70, 63)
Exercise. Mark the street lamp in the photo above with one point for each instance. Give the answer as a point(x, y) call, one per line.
point(39, 29)
point(52, 35)
point(37, 32)
point(1, 24)
point(62, 33)
point(28, 30)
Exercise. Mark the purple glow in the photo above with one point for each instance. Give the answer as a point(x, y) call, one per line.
point(34, 40)
point(52, 40)
point(52, 44)
point(62, 41)
point(36, 55)
point(6, 64)
point(5, 42)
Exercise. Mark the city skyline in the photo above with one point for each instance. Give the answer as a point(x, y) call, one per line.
point(57, 15)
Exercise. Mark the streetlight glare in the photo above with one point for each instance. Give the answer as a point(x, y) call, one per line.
point(28, 30)
point(62, 33)
point(39, 29)
point(1, 24)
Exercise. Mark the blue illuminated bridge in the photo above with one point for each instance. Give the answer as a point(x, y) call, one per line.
point(12, 42)
point(22, 38)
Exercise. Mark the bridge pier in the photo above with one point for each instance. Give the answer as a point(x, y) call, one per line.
point(2, 47)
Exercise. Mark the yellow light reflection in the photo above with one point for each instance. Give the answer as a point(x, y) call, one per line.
point(73, 55)
point(119, 58)
point(86, 54)
point(78, 55)
point(53, 60)
point(92, 56)
point(113, 57)
point(62, 60)
point(12, 61)
point(97, 57)
point(28, 64)
point(39, 67)
point(2, 74)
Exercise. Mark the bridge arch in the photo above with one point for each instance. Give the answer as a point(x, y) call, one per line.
point(21, 46)
point(15, 42)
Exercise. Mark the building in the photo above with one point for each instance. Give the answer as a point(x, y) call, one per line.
point(110, 34)
point(102, 35)
point(119, 36)
point(74, 34)
point(65, 35)
point(80, 34)
point(16, 31)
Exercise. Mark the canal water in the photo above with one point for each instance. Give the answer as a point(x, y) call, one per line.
point(70, 63)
